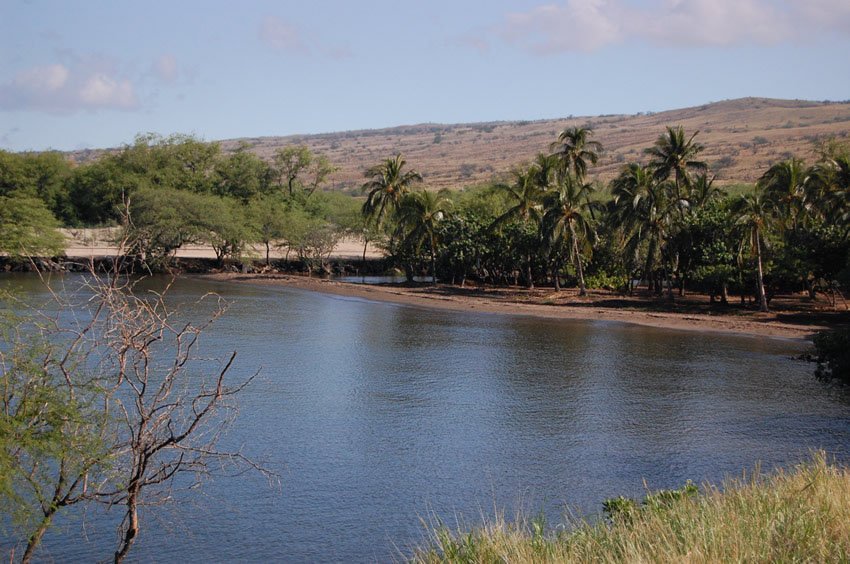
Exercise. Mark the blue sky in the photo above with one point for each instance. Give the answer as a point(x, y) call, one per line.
point(94, 73)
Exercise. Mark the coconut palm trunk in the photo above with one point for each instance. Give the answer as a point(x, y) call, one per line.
point(762, 295)
point(577, 258)
point(433, 261)
point(648, 267)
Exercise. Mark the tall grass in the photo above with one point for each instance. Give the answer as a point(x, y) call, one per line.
point(801, 515)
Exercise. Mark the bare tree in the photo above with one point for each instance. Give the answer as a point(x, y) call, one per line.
point(132, 407)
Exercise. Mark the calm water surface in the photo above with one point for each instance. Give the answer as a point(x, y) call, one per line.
point(378, 416)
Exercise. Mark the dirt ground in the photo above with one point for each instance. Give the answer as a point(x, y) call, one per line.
point(791, 317)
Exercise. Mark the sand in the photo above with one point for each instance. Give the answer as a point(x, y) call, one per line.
point(545, 303)
point(100, 242)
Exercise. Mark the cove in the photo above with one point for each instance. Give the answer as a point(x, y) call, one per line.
point(378, 416)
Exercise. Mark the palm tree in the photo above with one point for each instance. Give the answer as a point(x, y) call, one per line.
point(837, 204)
point(827, 190)
point(644, 208)
point(565, 223)
point(387, 185)
point(573, 150)
point(673, 156)
point(753, 213)
point(419, 215)
point(703, 191)
point(785, 186)
point(526, 194)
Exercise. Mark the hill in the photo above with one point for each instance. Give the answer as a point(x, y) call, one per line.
point(742, 138)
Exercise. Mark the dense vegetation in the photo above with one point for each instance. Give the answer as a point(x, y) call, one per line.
point(663, 221)
point(169, 192)
point(798, 516)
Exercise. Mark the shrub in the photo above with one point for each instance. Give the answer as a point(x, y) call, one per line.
point(833, 354)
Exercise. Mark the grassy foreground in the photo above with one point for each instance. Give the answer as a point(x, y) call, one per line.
point(800, 515)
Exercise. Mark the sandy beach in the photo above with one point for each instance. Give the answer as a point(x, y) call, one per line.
point(688, 315)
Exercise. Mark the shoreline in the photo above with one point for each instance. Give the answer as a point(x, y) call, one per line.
point(542, 303)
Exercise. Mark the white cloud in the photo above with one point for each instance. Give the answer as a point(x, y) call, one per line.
point(586, 25)
point(714, 22)
point(58, 88)
point(49, 78)
point(101, 91)
point(578, 25)
point(832, 15)
point(280, 35)
point(165, 68)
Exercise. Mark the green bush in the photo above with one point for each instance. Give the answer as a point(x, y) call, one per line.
point(833, 354)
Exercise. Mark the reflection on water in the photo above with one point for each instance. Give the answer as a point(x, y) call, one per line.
point(377, 415)
point(380, 279)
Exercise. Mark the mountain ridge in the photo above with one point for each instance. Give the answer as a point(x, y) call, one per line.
point(742, 138)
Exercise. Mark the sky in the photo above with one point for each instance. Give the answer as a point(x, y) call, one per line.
point(95, 73)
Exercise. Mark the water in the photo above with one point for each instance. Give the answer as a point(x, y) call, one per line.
point(392, 279)
point(378, 416)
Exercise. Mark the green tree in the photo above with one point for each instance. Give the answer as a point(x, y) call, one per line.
point(52, 428)
point(704, 191)
point(644, 209)
point(267, 218)
point(290, 162)
point(242, 175)
point(163, 220)
point(99, 189)
point(419, 216)
point(566, 223)
point(27, 228)
point(753, 214)
point(784, 186)
point(574, 150)
point(388, 183)
point(673, 155)
point(297, 165)
point(525, 197)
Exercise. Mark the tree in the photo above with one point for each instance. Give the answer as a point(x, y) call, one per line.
point(784, 187)
point(98, 190)
point(525, 196)
point(298, 165)
point(27, 228)
point(565, 223)
point(673, 156)
point(706, 249)
point(828, 189)
point(644, 209)
point(290, 162)
point(419, 216)
point(267, 216)
point(388, 183)
point(704, 191)
point(573, 151)
point(111, 409)
point(242, 175)
point(52, 428)
point(160, 221)
point(753, 214)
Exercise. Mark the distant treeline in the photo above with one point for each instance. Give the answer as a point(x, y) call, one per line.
point(662, 222)
point(177, 190)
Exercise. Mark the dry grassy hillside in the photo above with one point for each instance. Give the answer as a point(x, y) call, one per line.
point(742, 137)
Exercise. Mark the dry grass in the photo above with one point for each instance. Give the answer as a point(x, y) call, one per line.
point(801, 515)
point(742, 138)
